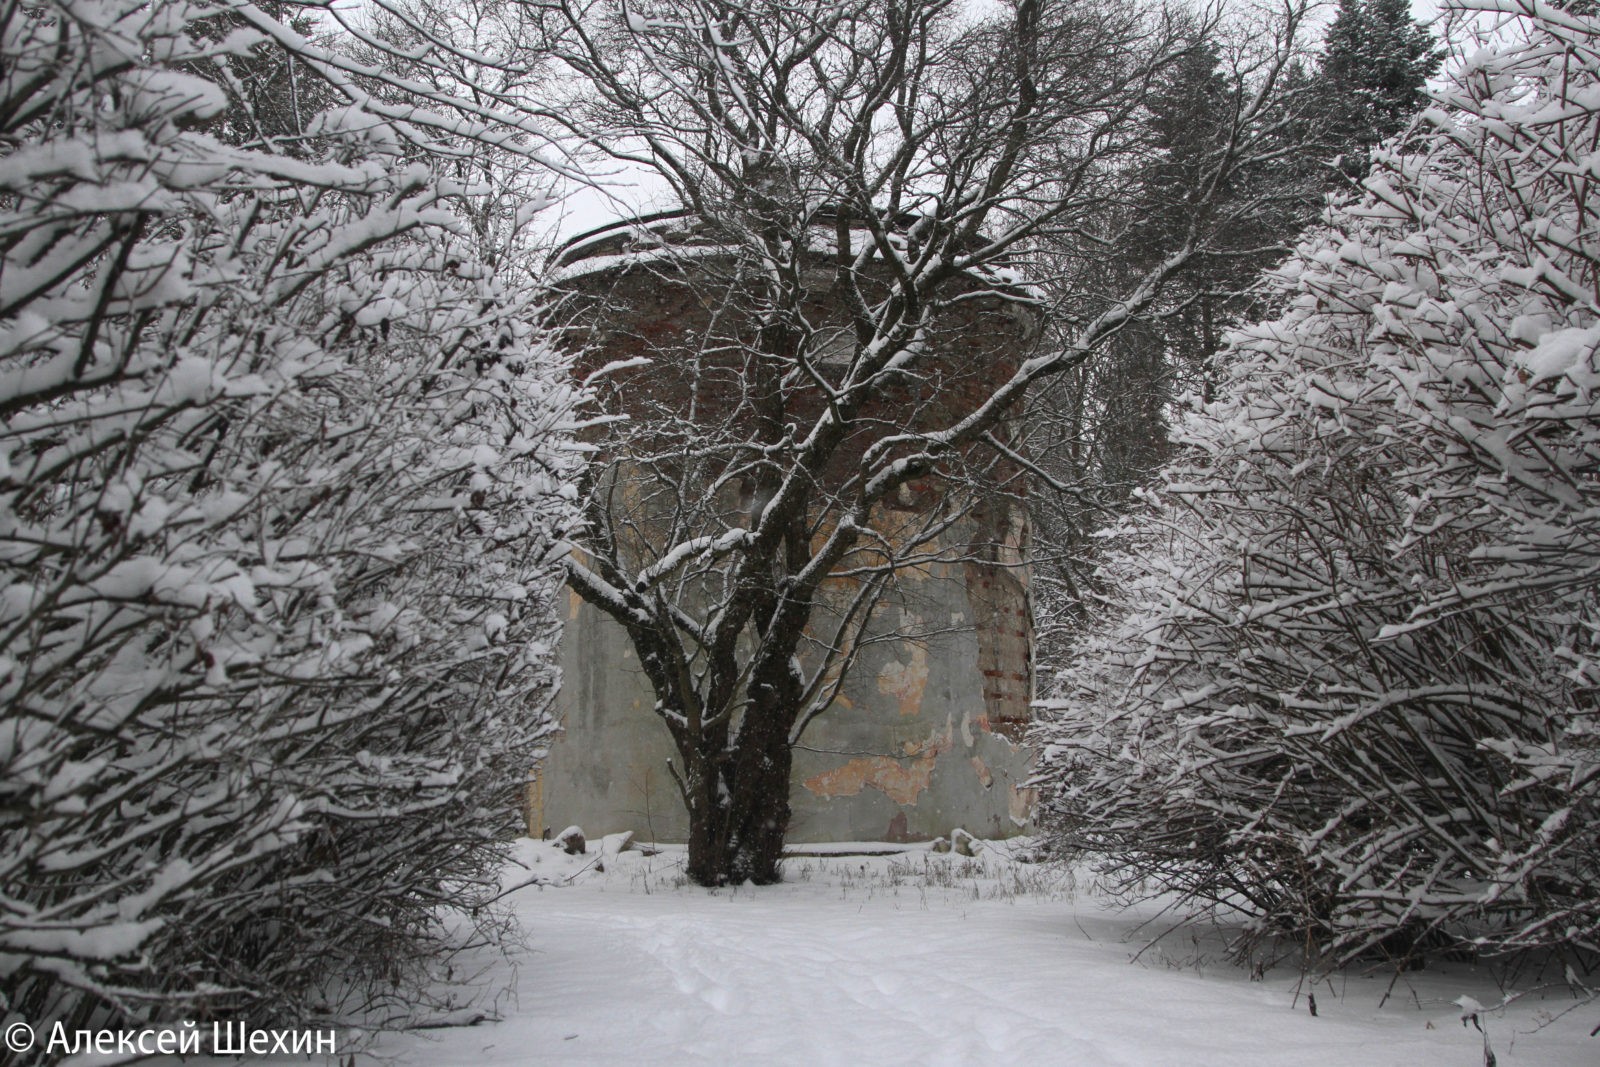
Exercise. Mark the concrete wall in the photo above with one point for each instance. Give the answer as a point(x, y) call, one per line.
point(924, 736)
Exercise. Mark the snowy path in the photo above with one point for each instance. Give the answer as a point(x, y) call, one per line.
point(842, 966)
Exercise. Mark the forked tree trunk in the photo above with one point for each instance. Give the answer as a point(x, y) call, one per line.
point(739, 803)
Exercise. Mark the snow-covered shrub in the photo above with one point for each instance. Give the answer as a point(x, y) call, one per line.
point(1345, 678)
point(281, 475)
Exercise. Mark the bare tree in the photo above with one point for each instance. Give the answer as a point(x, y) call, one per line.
point(861, 181)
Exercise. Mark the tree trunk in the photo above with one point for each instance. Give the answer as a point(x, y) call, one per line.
point(739, 812)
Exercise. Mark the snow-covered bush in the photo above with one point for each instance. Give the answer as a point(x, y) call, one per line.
point(1346, 675)
point(281, 475)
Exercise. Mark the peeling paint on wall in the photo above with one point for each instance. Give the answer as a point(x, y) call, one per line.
point(902, 780)
point(906, 681)
point(1021, 803)
point(982, 769)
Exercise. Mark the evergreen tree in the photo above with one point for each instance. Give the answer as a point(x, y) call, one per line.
point(1376, 63)
point(1103, 430)
point(1105, 427)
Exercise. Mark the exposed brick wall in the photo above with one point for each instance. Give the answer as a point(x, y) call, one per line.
point(697, 342)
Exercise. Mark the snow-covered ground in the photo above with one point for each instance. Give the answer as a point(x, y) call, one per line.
point(920, 958)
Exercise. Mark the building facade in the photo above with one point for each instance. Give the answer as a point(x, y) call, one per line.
point(925, 732)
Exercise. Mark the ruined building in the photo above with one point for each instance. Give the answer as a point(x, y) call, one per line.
point(925, 733)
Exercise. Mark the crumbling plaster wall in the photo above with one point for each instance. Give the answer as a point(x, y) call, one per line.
point(919, 741)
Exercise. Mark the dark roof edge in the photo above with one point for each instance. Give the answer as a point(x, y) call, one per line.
point(576, 248)
point(588, 243)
